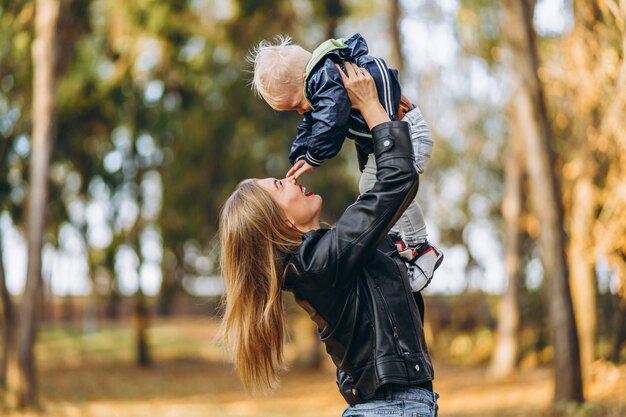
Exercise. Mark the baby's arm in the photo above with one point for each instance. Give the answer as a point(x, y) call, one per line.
point(299, 148)
point(329, 117)
point(300, 144)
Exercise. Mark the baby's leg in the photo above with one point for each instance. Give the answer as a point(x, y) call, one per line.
point(424, 258)
point(367, 181)
point(368, 176)
point(412, 222)
point(421, 137)
point(412, 225)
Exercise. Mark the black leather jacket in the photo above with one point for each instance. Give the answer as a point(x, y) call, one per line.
point(353, 284)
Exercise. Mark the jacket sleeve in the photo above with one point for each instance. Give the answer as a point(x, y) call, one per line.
point(329, 117)
point(300, 146)
point(341, 252)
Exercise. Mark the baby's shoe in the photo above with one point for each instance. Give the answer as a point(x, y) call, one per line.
point(423, 265)
point(406, 252)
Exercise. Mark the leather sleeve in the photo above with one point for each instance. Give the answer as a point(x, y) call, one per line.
point(339, 254)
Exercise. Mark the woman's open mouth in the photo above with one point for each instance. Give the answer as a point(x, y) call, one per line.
point(304, 191)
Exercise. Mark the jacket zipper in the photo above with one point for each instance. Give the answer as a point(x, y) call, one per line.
point(394, 328)
point(407, 289)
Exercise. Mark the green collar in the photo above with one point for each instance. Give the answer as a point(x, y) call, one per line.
point(319, 53)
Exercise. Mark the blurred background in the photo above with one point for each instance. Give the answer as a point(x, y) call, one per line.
point(124, 125)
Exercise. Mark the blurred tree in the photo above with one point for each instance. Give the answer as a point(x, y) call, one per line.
point(8, 323)
point(531, 114)
point(329, 12)
point(44, 55)
point(395, 26)
point(619, 317)
point(581, 168)
point(482, 38)
point(140, 309)
point(15, 88)
point(219, 133)
point(462, 189)
point(610, 229)
point(507, 348)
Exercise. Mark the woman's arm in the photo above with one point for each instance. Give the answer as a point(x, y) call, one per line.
point(345, 249)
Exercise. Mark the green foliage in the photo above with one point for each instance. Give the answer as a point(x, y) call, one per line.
point(479, 25)
point(16, 20)
point(176, 71)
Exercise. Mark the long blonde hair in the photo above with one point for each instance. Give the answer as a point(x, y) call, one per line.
point(255, 240)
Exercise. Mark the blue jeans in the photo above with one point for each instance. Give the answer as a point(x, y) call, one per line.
point(408, 402)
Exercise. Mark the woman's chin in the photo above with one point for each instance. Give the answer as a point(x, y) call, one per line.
point(318, 200)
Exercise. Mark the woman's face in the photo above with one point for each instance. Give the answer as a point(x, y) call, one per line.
point(301, 208)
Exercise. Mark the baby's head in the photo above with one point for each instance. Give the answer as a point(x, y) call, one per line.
point(279, 71)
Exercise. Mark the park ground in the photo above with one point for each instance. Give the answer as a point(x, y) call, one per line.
point(93, 375)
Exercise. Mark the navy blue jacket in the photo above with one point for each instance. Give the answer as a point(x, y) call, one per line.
point(323, 130)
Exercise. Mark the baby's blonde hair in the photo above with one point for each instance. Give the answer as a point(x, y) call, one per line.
point(278, 69)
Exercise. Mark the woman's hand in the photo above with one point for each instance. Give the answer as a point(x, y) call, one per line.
point(359, 85)
point(363, 95)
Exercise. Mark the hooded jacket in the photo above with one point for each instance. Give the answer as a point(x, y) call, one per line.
point(352, 282)
point(323, 130)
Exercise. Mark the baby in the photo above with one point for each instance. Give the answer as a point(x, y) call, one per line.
point(288, 77)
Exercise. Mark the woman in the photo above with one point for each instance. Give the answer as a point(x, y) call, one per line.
point(350, 278)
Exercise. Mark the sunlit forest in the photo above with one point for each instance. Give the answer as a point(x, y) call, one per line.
point(125, 125)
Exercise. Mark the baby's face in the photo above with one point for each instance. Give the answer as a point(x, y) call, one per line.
point(294, 100)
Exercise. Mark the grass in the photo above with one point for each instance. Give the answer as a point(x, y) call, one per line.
point(93, 375)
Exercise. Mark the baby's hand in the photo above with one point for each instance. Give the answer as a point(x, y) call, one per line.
point(299, 168)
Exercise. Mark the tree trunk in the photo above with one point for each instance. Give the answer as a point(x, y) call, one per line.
point(8, 323)
point(172, 273)
point(619, 328)
point(395, 20)
point(44, 49)
point(531, 113)
point(167, 295)
point(111, 310)
point(581, 264)
point(619, 315)
point(333, 10)
point(140, 319)
point(140, 310)
point(584, 46)
point(504, 359)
